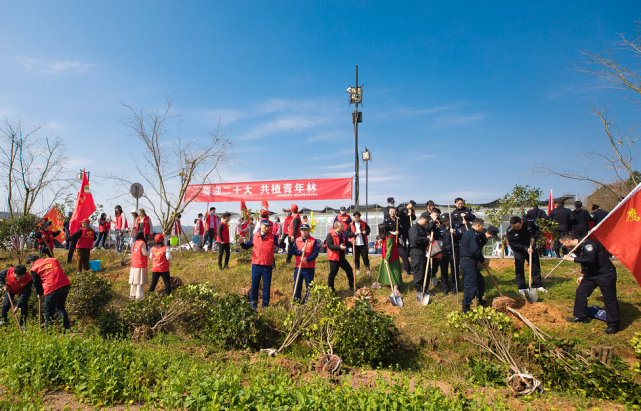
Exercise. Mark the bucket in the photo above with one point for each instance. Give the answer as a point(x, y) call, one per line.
point(94, 265)
point(196, 239)
point(173, 241)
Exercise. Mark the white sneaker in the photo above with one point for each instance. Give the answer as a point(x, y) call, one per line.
point(102, 248)
point(358, 272)
point(369, 272)
point(522, 291)
point(541, 289)
point(94, 249)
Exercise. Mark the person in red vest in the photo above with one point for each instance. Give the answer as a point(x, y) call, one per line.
point(143, 223)
point(160, 257)
point(390, 260)
point(51, 283)
point(286, 221)
point(102, 232)
point(16, 280)
point(199, 230)
point(294, 232)
point(361, 230)
point(138, 275)
point(84, 239)
point(211, 226)
point(336, 247)
point(344, 218)
point(222, 238)
point(307, 263)
point(120, 227)
point(263, 243)
point(45, 239)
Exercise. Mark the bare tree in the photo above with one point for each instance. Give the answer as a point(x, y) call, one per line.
point(168, 164)
point(620, 152)
point(33, 167)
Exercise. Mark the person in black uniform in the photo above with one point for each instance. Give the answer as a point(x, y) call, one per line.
point(449, 251)
point(597, 214)
point(436, 262)
point(390, 204)
point(472, 257)
point(406, 217)
point(339, 248)
point(582, 218)
point(462, 216)
point(534, 214)
point(419, 238)
point(564, 218)
point(522, 237)
point(401, 232)
point(597, 271)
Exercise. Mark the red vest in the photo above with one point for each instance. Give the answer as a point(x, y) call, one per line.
point(177, 227)
point(286, 227)
point(137, 259)
point(86, 238)
point(291, 226)
point(108, 226)
point(145, 225)
point(331, 254)
point(343, 219)
point(208, 218)
point(394, 256)
point(102, 228)
point(47, 238)
point(199, 229)
point(159, 262)
point(263, 250)
point(225, 234)
point(275, 228)
point(300, 244)
point(50, 273)
point(119, 222)
point(352, 227)
point(15, 286)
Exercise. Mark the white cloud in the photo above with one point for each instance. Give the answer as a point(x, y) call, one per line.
point(54, 67)
point(333, 155)
point(345, 165)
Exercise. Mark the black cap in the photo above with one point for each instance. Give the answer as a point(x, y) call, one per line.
point(412, 202)
point(426, 216)
point(444, 217)
point(390, 200)
point(494, 231)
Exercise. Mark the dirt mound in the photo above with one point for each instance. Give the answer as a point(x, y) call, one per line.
point(501, 263)
point(501, 303)
point(379, 304)
point(540, 314)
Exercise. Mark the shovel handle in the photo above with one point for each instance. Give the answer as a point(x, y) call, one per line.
point(493, 282)
point(429, 260)
point(12, 312)
point(299, 267)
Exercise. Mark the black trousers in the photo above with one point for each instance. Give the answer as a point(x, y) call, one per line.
point(361, 250)
point(166, 279)
point(608, 285)
point(55, 302)
point(334, 266)
point(419, 263)
point(519, 268)
point(23, 304)
point(474, 283)
point(210, 237)
point(434, 266)
point(101, 237)
point(72, 248)
point(448, 264)
point(223, 248)
point(290, 249)
point(580, 233)
point(403, 253)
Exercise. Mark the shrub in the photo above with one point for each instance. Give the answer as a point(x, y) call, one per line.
point(232, 323)
point(203, 300)
point(143, 312)
point(111, 325)
point(89, 294)
point(364, 336)
point(485, 373)
point(635, 342)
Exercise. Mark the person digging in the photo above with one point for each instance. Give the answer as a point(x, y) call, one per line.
point(472, 257)
point(16, 281)
point(52, 284)
point(305, 244)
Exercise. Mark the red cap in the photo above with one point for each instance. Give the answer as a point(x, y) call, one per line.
point(86, 220)
point(264, 213)
point(294, 208)
point(159, 238)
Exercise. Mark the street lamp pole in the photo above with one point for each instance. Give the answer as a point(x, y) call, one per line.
point(356, 97)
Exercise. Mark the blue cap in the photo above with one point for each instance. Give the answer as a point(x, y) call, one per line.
point(343, 209)
point(305, 226)
point(265, 222)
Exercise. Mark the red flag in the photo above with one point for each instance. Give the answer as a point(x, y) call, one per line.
point(548, 236)
point(620, 232)
point(265, 205)
point(84, 205)
point(551, 205)
point(55, 216)
point(243, 207)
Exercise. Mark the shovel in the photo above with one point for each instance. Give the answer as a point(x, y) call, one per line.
point(424, 299)
point(531, 294)
point(14, 313)
point(396, 301)
point(122, 261)
point(449, 212)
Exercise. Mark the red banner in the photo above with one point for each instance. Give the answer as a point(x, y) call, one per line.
point(309, 189)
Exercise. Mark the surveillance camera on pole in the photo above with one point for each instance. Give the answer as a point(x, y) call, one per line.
point(356, 98)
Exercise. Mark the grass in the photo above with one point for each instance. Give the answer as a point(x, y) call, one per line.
point(434, 354)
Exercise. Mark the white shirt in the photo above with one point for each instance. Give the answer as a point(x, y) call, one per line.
point(359, 236)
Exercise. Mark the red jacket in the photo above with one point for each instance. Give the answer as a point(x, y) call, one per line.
point(333, 255)
point(224, 229)
point(137, 259)
point(198, 228)
point(286, 221)
point(51, 274)
point(47, 238)
point(291, 226)
point(263, 250)
point(159, 262)
point(119, 222)
point(343, 219)
point(102, 227)
point(300, 244)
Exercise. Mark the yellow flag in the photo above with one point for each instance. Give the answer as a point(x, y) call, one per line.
point(312, 223)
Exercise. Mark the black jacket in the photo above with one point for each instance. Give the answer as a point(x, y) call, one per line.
point(520, 239)
point(445, 236)
point(329, 242)
point(457, 220)
point(593, 259)
point(563, 217)
point(472, 244)
point(391, 226)
point(581, 219)
point(534, 214)
point(419, 237)
point(407, 217)
point(386, 212)
point(598, 215)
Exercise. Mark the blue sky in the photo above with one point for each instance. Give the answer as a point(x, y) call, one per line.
point(458, 97)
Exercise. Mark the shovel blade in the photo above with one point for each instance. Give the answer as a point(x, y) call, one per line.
point(531, 295)
point(399, 302)
point(392, 300)
point(425, 299)
point(434, 281)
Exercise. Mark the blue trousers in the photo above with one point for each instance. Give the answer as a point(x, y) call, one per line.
point(258, 272)
point(473, 282)
point(307, 274)
point(55, 302)
point(22, 303)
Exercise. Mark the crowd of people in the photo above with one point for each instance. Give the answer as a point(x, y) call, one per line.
point(452, 242)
